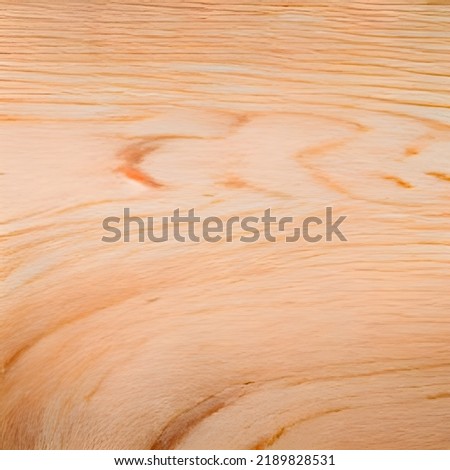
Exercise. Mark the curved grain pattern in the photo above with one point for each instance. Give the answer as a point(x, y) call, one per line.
point(230, 108)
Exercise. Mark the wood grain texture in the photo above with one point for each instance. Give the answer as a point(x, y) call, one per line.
point(230, 108)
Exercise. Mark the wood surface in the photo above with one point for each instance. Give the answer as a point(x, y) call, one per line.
point(229, 108)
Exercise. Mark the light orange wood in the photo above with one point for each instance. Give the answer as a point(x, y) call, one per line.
point(229, 108)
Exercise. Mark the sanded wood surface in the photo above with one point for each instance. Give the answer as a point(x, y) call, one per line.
point(229, 108)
